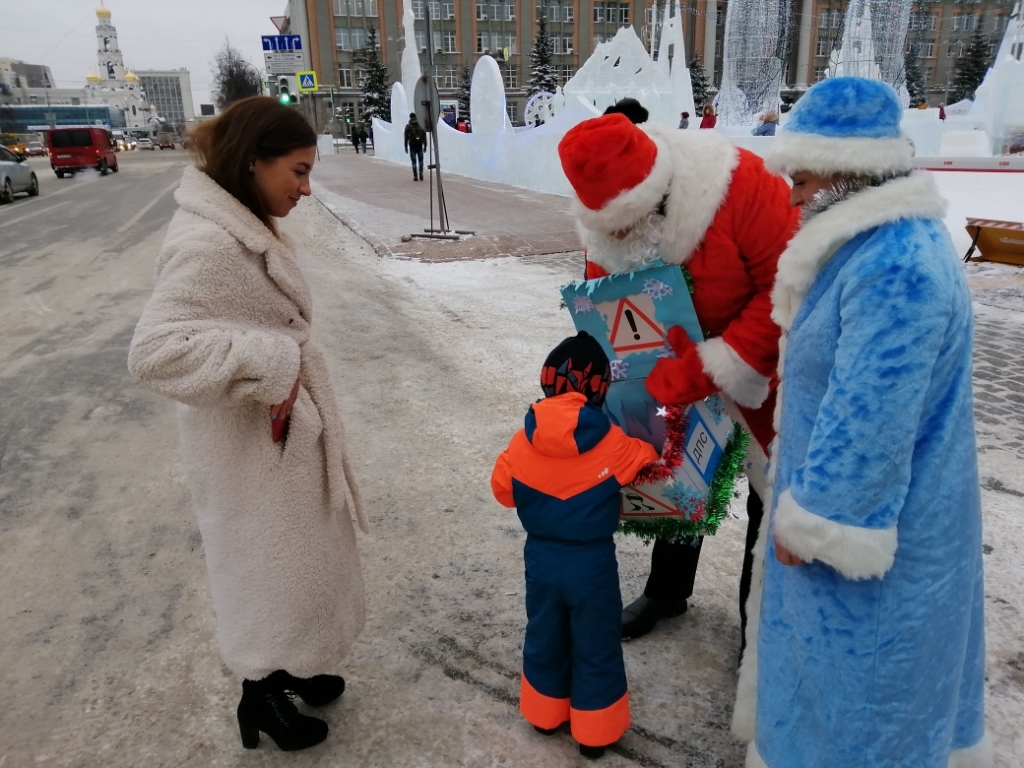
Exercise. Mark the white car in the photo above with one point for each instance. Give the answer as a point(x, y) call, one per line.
point(146, 144)
point(15, 176)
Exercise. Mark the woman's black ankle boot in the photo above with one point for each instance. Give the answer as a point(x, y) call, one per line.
point(316, 691)
point(265, 706)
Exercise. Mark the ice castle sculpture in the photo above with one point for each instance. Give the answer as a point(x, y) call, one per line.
point(756, 39)
point(1000, 98)
point(867, 48)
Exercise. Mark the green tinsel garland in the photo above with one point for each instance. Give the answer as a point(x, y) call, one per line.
point(716, 504)
point(688, 278)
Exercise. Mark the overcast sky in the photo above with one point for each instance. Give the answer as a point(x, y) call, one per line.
point(152, 35)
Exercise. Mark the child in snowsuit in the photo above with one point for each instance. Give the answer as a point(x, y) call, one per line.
point(563, 472)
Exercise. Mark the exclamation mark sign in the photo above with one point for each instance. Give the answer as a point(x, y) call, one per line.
point(632, 324)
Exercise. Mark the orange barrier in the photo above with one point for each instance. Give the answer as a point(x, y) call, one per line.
point(1001, 241)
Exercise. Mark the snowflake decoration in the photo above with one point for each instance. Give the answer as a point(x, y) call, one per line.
point(618, 369)
point(657, 289)
point(691, 507)
point(717, 409)
point(666, 353)
point(582, 305)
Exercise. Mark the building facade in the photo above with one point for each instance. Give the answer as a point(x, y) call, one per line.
point(460, 31)
point(170, 91)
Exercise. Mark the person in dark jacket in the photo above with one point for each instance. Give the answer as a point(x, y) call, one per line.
point(563, 472)
point(631, 108)
point(415, 141)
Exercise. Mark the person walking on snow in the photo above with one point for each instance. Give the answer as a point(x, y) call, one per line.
point(651, 192)
point(870, 648)
point(709, 119)
point(227, 335)
point(563, 472)
point(684, 120)
point(415, 141)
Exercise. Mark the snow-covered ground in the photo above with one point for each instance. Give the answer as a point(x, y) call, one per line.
point(491, 322)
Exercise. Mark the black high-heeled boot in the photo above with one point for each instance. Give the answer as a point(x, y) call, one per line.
point(316, 691)
point(267, 707)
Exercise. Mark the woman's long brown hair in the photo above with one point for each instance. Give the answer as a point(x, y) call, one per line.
point(258, 127)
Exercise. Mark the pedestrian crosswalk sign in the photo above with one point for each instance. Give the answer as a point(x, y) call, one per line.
point(307, 81)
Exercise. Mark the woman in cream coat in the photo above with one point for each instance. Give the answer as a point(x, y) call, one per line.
point(227, 335)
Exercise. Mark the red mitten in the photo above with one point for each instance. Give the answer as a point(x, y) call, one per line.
point(680, 380)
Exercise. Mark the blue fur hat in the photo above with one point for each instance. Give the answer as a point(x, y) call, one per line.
point(847, 125)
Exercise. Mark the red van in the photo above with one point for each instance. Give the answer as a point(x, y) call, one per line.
point(74, 149)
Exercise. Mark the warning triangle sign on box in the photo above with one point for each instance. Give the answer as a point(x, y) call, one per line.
point(636, 503)
point(633, 331)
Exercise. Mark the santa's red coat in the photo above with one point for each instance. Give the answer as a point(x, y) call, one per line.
point(728, 220)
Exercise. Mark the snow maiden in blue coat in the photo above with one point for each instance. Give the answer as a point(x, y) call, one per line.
point(870, 647)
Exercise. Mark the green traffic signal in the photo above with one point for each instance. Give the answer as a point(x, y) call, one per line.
point(285, 98)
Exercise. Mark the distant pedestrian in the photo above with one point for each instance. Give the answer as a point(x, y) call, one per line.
point(709, 119)
point(552, 473)
point(226, 333)
point(369, 132)
point(769, 122)
point(354, 138)
point(363, 137)
point(942, 111)
point(415, 141)
point(684, 120)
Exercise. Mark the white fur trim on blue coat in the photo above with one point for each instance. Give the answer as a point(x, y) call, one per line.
point(856, 552)
point(824, 155)
point(732, 373)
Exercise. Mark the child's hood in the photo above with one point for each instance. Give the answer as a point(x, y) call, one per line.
point(565, 425)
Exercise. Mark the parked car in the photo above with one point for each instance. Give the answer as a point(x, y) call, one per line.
point(75, 149)
point(35, 149)
point(16, 175)
point(145, 143)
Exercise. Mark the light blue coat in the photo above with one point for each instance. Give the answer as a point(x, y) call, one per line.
point(872, 654)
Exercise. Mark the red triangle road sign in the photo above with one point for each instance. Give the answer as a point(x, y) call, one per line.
point(279, 22)
point(633, 331)
point(636, 503)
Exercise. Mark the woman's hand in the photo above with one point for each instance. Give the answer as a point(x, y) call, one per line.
point(283, 410)
point(784, 556)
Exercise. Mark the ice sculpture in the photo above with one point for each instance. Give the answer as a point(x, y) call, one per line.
point(756, 40)
point(867, 44)
point(1000, 98)
point(622, 67)
point(399, 105)
point(410, 56)
point(487, 99)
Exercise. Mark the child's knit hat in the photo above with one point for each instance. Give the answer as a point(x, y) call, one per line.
point(578, 364)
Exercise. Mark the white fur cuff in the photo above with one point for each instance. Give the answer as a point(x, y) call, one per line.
point(825, 155)
point(978, 756)
point(857, 553)
point(732, 374)
point(753, 758)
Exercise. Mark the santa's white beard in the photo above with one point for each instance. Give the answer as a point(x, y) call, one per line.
point(635, 251)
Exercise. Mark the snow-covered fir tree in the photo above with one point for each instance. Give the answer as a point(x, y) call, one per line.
point(971, 68)
point(542, 71)
point(916, 86)
point(376, 85)
point(699, 81)
point(465, 85)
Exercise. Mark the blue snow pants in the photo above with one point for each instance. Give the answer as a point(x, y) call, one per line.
point(572, 656)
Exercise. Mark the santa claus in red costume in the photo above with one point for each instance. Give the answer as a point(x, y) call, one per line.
point(646, 195)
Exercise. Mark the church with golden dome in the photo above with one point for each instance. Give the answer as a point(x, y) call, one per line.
point(111, 83)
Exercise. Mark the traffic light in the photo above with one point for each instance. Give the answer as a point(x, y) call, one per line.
point(286, 90)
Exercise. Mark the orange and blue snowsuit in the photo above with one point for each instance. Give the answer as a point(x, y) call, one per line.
point(563, 472)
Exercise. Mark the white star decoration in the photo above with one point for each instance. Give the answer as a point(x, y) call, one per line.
point(670, 482)
point(663, 412)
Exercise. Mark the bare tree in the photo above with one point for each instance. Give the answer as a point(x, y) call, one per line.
point(234, 78)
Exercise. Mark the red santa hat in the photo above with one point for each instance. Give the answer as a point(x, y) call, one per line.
point(619, 172)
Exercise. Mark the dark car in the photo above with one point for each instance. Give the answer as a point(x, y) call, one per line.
point(35, 149)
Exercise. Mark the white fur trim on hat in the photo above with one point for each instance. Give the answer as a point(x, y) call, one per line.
point(856, 552)
point(627, 208)
point(792, 152)
point(732, 373)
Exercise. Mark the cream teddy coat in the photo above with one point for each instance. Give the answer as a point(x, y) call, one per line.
point(225, 334)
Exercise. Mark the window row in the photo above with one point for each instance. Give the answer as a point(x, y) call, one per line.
point(615, 13)
point(923, 22)
point(830, 19)
point(345, 77)
point(495, 12)
point(496, 41)
point(444, 42)
point(556, 13)
point(355, 8)
point(351, 39)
